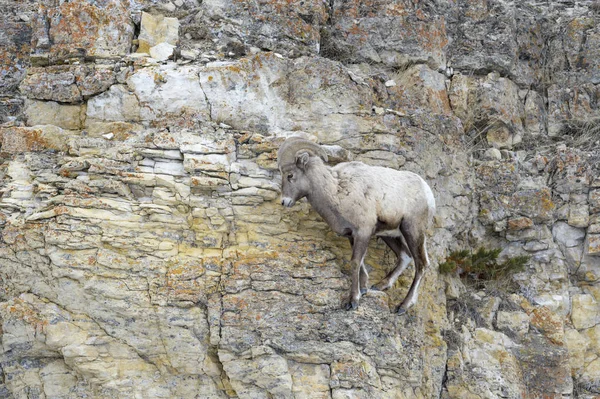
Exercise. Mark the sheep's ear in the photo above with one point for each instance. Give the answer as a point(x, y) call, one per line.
point(302, 159)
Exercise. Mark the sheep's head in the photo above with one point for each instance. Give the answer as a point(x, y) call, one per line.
point(294, 158)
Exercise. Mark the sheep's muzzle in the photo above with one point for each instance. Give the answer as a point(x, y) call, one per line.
point(287, 202)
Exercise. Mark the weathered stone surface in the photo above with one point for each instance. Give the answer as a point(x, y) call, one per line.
point(594, 201)
point(82, 28)
point(535, 114)
point(252, 93)
point(168, 91)
point(162, 51)
point(571, 95)
point(485, 354)
point(577, 345)
point(114, 105)
point(58, 86)
point(474, 46)
point(87, 349)
point(491, 105)
point(420, 87)
point(414, 33)
point(290, 28)
point(546, 369)
point(38, 138)
point(67, 84)
point(593, 244)
point(567, 235)
point(519, 223)
point(516, 323)
point(144, 219)
point(585, 312)
point(579, 215)
point(51, 113)
point(15, 45)
point(157, 29)
point(186, 280)
point(310, 380)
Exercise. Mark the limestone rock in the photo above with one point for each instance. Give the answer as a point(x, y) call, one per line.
point(310, 380)
point(579, 215)
point(495, 51)
point(487, 353)
point(594, 200)
point(37, 138)
point(168, 91)
point(567, 235)
point(549, 323)
point(536, 204)
point(260, 376)
point(493, 153)
point(232, 90)
point(593, 244)
point(67, 84)
point(535, 114)
point(82, 28)
point(59, 86)
point(541, 378)
point(491, 104)
point(585, 312)
point(353, 36)
point(14, 55)
point(419, 86)
point(577, 345)
point(114, 105)
point(516, 323)
point(162, 51)
point(157, 30)
point(519, 223)
point(292, 29)
point(51, 113)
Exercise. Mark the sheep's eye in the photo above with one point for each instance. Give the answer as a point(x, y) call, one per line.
point(290, 176)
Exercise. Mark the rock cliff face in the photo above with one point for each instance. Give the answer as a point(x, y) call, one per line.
point(143, 250)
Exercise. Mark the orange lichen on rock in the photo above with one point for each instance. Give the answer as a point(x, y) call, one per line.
point(549, 323)
point(19, 139)
point(21, 310)
point(82, 28)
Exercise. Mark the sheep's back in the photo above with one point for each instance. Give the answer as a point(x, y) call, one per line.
point(394, 194)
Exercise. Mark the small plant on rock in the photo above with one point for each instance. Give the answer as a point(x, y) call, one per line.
point(482, 265)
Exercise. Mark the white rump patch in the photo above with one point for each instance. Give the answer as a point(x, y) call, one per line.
point(428, 195)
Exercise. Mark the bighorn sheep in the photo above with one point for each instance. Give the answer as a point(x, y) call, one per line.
point(359, 201)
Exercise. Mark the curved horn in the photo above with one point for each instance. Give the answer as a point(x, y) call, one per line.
point(287, 152)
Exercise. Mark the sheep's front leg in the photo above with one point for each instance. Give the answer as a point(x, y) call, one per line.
point(360, 244)
point(364, 275)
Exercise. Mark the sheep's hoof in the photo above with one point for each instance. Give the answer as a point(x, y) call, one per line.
point(400, 310)
point(379, 287)
point(363, 291)
point(351, 305)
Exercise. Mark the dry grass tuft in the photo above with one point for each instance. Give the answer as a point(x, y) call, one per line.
point(581, 134)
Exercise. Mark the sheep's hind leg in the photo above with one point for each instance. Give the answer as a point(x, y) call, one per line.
point(397, 245)
point(359, 250)
point(416, 243)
